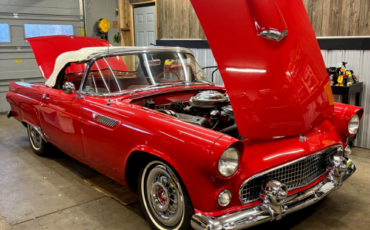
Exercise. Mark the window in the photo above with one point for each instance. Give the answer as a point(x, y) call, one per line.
point(36, 30)
point(4, 32)
point(73, 73)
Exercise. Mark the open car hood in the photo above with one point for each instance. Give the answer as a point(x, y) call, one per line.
point(48, 48)
point(276, 88)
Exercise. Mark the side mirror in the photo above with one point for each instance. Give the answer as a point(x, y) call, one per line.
point(68, 88)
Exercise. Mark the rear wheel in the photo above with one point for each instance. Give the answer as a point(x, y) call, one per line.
point(39, 146)
point(164, 198)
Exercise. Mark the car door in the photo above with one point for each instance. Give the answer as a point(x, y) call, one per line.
point(60, 119)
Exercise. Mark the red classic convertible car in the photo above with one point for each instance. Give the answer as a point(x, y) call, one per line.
point(200, 155)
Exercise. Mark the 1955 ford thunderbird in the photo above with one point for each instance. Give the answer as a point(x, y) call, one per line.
point(268, 143)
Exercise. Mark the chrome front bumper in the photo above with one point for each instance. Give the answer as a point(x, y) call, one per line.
point(267, 212)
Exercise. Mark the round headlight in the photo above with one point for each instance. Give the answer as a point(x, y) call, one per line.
point(228, 162)
point(224, 198)
point(353, 124)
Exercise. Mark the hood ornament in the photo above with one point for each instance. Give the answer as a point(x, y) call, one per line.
point(274, 35)
point(303, 138)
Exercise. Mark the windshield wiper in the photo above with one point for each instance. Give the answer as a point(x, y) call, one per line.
point(166, 83)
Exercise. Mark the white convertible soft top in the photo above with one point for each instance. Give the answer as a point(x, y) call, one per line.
point(86, 54)
point(73, 56)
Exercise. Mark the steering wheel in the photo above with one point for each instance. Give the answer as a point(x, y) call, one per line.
point(169, 71)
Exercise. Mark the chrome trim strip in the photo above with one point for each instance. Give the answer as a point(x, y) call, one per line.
point(87, 67)
point(281, 166)
point(115, 78)
point(102, 77)
point(138, 50)
point(259, 214)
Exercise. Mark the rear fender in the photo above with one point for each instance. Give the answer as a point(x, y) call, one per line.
point(24, 100)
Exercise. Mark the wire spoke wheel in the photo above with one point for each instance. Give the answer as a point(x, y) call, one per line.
point(164, 195)
point(35, 137)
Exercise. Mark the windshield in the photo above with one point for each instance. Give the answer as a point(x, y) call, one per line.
point(122, 73)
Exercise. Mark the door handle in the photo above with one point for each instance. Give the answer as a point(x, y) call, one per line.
point(45, 97)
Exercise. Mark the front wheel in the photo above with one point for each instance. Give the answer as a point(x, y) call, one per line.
point(164, 198)
point(39, 146)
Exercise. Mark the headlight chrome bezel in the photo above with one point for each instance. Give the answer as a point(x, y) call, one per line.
point(220, 197)
point(224, 167)
point(353, 124)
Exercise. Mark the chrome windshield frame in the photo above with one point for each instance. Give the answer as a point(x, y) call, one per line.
point(99, 55)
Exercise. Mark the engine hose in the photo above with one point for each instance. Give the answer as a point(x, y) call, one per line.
point(230, 129)
point(215, 125)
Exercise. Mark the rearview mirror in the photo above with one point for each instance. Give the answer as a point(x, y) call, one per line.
point(68, 88)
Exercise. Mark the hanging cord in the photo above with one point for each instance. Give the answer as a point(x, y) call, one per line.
point(109, 101)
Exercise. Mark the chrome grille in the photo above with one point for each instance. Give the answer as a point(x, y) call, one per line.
point(107, 121)
point(295, 174)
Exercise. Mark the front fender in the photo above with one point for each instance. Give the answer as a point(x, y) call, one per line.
point(343, 113)
point(184, 146)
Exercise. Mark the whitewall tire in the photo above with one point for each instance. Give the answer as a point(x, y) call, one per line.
point(39, 146)
point(164, 199)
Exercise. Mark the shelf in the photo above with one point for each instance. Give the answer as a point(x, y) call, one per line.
point(347, 90)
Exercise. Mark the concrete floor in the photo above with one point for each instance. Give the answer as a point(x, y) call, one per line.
point(50, 193)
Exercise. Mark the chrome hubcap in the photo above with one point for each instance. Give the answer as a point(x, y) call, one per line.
point(164, 196)
point(35, 137)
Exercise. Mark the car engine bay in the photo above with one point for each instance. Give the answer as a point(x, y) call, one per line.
point(208, 108)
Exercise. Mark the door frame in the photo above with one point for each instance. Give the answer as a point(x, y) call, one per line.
point(132, 28)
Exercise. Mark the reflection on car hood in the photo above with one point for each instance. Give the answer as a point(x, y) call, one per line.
point(276, 88)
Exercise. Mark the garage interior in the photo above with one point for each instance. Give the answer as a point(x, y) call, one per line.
point(51, 192)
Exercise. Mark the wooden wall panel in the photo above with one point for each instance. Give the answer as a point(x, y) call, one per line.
point(176, 19)
point(163, 5)
point(184, 19)
point(335, 17)
point(317, 8)
point(308, 5)
point(325, 19)
point(364, 21)
point(159, 17)
point(349, 18)
point(338, 17)
point(194, 24)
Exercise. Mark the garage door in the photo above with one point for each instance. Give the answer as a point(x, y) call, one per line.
point(20, 19)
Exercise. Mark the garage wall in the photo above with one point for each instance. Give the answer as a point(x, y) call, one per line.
point(97, 9)
point(177, 19)
point(17, 62)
